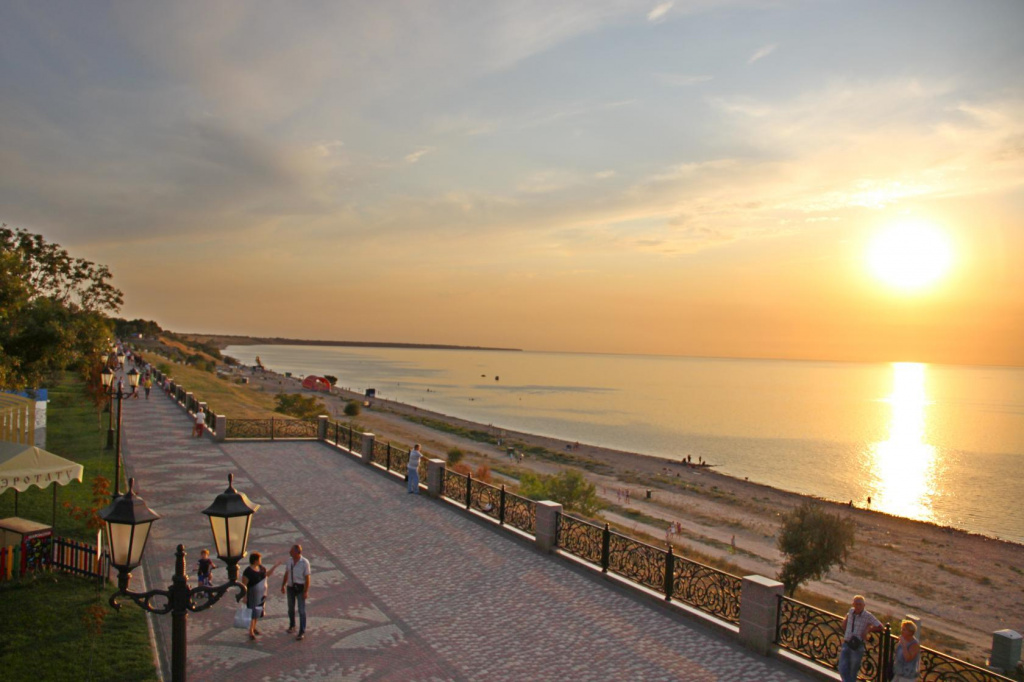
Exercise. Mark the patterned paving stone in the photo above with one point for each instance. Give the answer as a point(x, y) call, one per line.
point(403, 588)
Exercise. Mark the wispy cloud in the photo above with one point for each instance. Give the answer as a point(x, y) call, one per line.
point(659, 12)
point(681, 80)
point(762, 53)
point(418, 154)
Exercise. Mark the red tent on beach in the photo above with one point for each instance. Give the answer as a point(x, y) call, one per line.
point(317, 384)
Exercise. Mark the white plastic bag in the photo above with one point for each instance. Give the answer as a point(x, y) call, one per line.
point(243, 616)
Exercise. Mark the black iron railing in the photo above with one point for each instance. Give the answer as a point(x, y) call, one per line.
point(818, 635)
point(271, 428)
point(705, 588)
point(380, 453)
point(508, 509)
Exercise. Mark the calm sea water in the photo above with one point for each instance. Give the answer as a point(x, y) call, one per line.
point(932, 442)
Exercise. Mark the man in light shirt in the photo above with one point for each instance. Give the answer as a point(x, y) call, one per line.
point(856, 626)
point(296, 584)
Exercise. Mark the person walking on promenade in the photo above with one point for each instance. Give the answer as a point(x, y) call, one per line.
point(856, 625)
point(147, 385)
point(296, 584)
point(255, 580)
point(197, 429)
point(414, 470)
point(906, 661)
point(205, 566)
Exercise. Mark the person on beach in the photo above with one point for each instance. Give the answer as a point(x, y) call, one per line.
point(205, 568)
point(856, 626)
point(255, 580)
point(296, 584)
point(413, 471)
point(906, 661)
point(197, 429)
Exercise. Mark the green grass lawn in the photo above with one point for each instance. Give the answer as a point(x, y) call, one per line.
point(55, 626)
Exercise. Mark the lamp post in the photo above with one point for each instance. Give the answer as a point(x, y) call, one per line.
point(108, 380)
point(128, 521)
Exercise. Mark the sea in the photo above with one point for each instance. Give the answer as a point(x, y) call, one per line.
point(938, 443)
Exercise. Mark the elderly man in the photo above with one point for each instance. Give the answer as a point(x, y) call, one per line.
point(296, 583)
point(857, 624)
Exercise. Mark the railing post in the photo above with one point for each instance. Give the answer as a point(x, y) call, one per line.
point(759, 612)
point(469, 490)
point(271, 428)
point(350, 438)
point(606, 545)
point(387, 463)
point(501, 507)
point(367, 448)
point(670, 574)
point(546, 527)
point(188, 401)
point(321, 426)
point(337, 432)
point(435, 477)
point(884, 653)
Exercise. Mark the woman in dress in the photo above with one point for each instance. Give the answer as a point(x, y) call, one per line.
point(255, 580)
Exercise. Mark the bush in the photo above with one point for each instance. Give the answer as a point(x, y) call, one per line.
point(568, 488)
point(300, 406)
point(813, 541)
point(332, 379)
point(352, 408)
point(455, 456)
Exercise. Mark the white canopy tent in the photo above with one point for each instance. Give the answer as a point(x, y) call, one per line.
point(23, 466)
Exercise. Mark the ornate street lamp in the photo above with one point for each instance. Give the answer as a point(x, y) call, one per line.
point(230, 519)
point(128, 521)
point(107, 377)
point(120, 358)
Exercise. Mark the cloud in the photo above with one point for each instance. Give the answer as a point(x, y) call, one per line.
point(681, 80)
point(659, 12)
point(762, 53)
point(418, 154)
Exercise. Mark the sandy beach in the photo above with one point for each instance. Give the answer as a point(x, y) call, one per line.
point(963, 586)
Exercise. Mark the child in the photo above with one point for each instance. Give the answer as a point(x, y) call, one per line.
point(205, 568)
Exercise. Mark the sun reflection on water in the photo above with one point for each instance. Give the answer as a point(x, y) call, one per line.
point(904, 465)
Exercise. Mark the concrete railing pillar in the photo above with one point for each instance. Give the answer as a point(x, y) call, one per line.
point(220, 428)
point(435, 477)
point(546, 528)
point(1006, 645)
point(759, 606)
point(321, 427)
point(366, 448)
point(188, 400)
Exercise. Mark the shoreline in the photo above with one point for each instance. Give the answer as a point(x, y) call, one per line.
point(903, 565)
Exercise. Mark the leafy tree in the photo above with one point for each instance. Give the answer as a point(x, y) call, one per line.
point(569, 488)
point(300, 406)
point(455, 456)
point(52, 309)
point(352, 408)
point(813, 541)
point(332, 379)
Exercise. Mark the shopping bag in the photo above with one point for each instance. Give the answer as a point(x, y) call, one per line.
point(243, 616)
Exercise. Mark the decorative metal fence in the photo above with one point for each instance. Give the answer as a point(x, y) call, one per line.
point(344, 436)
point(705, 588)
point(398, 459)
point(508, 509)
point(380, 453)
point(818, 635)
point(271, 428)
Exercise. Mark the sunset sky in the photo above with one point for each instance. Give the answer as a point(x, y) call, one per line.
point(699, 177)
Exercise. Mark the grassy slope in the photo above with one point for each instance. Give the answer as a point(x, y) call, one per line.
point(221, 395)
point(44, 630)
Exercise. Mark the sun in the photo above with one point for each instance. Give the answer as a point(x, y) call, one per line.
point(910, 255)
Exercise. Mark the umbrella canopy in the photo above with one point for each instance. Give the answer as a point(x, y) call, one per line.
point(22, 466)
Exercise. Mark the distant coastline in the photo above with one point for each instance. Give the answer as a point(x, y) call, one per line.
point(222, 341)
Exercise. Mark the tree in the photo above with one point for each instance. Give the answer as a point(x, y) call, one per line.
point(455, 456)
point(332, 379)
point(569, 488)
point(300, 406)
point(52, 309)
point(352, 408)
point(813, 541)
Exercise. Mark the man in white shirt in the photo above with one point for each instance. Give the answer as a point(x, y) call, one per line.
point(856, 626)
point(413, 470)
point(296, 584)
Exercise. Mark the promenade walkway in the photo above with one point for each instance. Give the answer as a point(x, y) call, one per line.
point(403, 587)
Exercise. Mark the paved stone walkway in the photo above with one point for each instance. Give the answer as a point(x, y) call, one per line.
point(403, 587)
